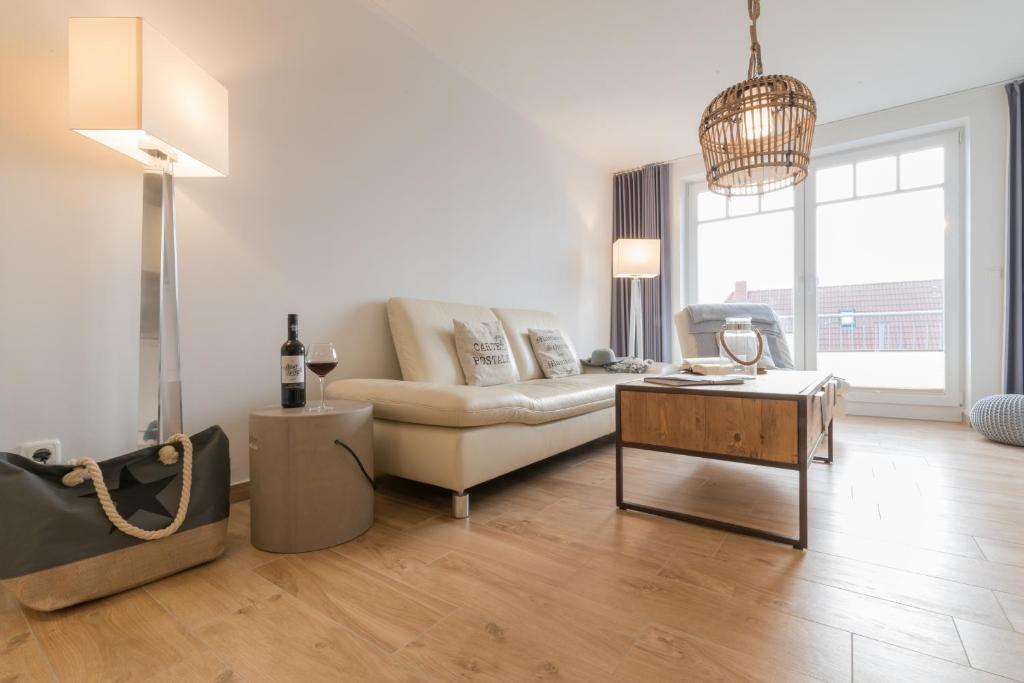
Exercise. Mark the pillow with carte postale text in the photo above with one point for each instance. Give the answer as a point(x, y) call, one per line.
point(554, 353)
point(484, 354)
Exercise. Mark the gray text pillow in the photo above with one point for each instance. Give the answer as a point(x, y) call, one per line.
point(555, 355)
point(483, 353)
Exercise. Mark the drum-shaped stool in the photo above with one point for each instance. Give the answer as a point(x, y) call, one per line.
point(310, 476)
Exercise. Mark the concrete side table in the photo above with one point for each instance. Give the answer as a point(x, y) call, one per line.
point(306, 491)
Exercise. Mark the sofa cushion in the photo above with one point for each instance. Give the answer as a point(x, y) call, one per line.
point(425, 340)
point(517, 323)
point(445, 405)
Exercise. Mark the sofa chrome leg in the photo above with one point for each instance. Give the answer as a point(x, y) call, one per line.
point(460, 504)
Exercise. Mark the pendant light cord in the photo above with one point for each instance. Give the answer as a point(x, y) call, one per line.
point(754, 68)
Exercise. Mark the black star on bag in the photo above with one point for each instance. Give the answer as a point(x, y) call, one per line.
point(132, 495)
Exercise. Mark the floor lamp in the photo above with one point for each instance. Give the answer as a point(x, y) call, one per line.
point(637, 259)
point(130, 89)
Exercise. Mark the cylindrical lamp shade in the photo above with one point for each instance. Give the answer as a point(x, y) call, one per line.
point(130, 89)
point(636, 258)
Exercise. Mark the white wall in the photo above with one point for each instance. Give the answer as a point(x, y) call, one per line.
point(361, 168)
point(983, 114)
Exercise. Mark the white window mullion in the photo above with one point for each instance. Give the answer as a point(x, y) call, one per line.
point(955, 330)
point(807, 256)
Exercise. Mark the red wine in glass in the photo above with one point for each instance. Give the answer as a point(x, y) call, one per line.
point(321, 358)
point(322, 369)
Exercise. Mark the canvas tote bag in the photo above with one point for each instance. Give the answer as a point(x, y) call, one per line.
point(166, 510)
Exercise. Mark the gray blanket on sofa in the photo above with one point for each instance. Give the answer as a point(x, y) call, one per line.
point(707, 319)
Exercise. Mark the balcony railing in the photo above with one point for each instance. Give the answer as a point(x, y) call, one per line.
point(922, 330)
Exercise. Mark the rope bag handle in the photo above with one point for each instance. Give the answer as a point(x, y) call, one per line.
point(728, 351)
point(86, 468)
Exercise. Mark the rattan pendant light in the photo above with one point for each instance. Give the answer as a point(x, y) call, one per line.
point(756, 136)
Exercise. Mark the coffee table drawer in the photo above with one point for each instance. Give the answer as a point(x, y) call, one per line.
point(664, 419)
point(755, 428)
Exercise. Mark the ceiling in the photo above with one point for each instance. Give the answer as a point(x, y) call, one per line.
point(624, 82)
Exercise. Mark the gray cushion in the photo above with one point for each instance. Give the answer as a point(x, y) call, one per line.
point(1000, 418)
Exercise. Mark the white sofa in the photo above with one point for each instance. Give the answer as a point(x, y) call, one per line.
point(430, 426)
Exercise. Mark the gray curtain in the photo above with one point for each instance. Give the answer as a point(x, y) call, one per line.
point(1014, 381)
point(641, 211)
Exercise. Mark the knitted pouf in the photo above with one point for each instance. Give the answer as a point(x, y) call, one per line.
point(1000, 418)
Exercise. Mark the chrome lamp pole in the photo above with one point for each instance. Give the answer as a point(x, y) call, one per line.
point(160, 413)
point(635, 346)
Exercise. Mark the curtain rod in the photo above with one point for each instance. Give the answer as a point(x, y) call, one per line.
point(847, 118)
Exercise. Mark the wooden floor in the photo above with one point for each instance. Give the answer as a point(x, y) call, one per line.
point(915, 573)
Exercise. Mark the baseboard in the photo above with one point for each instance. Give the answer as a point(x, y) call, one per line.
point(905, 411)
point(239, 492)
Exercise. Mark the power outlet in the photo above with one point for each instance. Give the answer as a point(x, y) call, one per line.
point(44, 451)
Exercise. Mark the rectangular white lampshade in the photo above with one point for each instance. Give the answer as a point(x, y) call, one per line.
point(127, 85)
point(636, 258)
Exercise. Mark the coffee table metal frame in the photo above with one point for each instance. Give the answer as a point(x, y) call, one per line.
point(804, 458)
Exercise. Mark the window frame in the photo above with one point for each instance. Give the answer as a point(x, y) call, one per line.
point(805, 246)
point(951, 141)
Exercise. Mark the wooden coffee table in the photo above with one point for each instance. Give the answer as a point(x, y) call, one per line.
point(773, 421)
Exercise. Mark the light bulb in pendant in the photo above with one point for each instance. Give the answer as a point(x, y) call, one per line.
point(757, 123)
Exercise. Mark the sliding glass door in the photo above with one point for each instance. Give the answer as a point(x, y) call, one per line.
point(861, 262)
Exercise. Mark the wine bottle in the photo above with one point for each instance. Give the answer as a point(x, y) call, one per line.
point(293, 367)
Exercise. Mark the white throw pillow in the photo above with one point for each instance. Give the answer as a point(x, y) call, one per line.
point(483, 353)
point(554, 353)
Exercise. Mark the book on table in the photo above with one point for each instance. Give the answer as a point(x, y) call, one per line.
point(689, 379)
point(711, 365)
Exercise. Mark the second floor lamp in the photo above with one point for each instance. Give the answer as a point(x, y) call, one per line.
point(636, 259)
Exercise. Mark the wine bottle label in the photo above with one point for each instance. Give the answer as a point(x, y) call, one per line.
point(292, 370)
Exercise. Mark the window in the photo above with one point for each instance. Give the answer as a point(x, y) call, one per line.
point(880, 235)
point(861, 263)
point(747, 244)
point(847, 319)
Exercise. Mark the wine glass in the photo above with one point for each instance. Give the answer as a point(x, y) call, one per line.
point(321, 358)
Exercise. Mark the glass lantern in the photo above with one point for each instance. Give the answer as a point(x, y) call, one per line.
point(740, 346)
